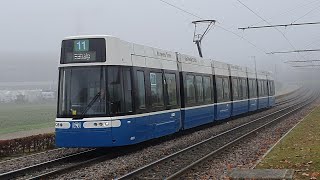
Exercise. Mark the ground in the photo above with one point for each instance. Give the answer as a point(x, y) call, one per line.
point(299, 150)
point(26, 117)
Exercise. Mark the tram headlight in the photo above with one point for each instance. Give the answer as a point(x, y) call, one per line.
point(59, 125)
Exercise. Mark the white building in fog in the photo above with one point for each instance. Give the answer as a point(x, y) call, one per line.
point(7, 96)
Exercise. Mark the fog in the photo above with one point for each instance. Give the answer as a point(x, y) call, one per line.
point(31, 32)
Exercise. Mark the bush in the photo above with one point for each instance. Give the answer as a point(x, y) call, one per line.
point(27, 144)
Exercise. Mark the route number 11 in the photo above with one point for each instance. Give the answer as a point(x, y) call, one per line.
point(81, 45)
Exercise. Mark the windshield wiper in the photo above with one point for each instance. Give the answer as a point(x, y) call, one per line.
point(90, 104)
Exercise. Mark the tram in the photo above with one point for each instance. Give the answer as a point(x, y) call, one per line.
point(116, 93)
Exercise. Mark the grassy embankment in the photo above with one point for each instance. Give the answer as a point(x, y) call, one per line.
point(299, 150)
point(25, 117)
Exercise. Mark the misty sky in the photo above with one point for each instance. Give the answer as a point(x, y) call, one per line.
point(35, 28)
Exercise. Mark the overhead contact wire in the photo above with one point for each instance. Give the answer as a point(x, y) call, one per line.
point(285, 37)
point(225, 29)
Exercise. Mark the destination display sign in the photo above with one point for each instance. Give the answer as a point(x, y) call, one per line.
point(81, 56)
point(83, 51)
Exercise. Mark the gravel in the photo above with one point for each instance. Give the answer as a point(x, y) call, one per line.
point(153, 150)
point(17, 163)
point(249, 152)
point(119, 166)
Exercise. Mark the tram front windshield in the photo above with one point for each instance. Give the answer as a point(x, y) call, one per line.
point(82, 91)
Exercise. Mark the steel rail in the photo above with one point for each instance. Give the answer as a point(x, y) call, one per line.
point(22, 171)
point(28, 156)
point(140, 171)
point(290, 99)
point(239, 139)
point(68, 168)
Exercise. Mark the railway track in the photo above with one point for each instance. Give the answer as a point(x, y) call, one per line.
point(29, 156)
point(177, 164)
point(84, 158)
point(54, 166)
point(291, 97)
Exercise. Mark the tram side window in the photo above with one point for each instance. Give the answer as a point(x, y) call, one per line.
point(253, 88)
point(141, 103)
point(269, 88)
point(207, 89)
point(219, 89)
point(266, 88)
point(273, 89)
point(226, 89)
point(191, 94)
point(115, 90)
point(127, 89)
point(235, 89)
point(244, 88)
point(171, 89)
point(263, 88)
point(260, 88)
point(199, 86)
point(240, 90)
point(156, 84)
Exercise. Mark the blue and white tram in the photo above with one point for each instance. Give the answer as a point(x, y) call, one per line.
point(115, 93)
point(271, 89)
point(253, 89)
point(197, 91)
point(239, 86)
point(263, 93)
point(222, 90)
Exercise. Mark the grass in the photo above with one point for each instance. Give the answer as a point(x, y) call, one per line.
point(25, 117)
point(299, 150)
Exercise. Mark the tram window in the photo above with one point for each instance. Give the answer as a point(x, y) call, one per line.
point(199, 86)
point(79, 86)
point(269, 87)
point(252, 88)
point(171, 89)
point(127, 89)
point(255, 88)
point(141, 90)
point(235, 89)
point(156, 85)
point(116, 99)
point(263, 88)
point(240, 92)
point(207, 89)
point(244, 88)
point(219, 89)
point(273, 88)
point(226, 89)
point(259, 88)
point(191, 94)
point(266, 88)
point(250, 95)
